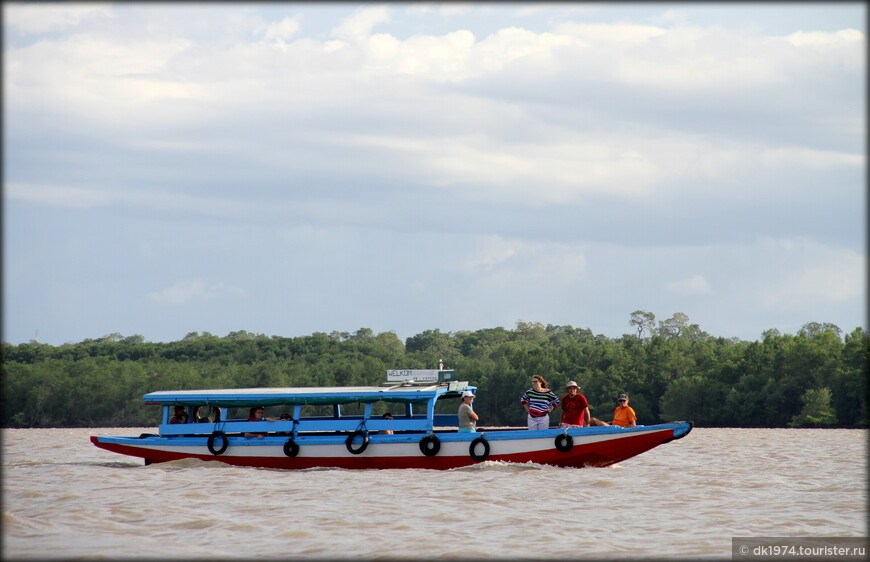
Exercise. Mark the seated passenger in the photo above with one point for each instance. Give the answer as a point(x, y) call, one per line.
point(387, 416)
point(623, 415)
point(180, 415)
point(199, 415)
point(285, 416)
point(215, 414)
point(256, 414)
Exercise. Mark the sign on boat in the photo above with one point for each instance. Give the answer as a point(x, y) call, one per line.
point(337, 427)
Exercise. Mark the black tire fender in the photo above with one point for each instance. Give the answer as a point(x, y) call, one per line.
point(564, 442)
point(473, 446)
point(291, 449)
point(430, 445)
point(224, 442)
point(349, 442)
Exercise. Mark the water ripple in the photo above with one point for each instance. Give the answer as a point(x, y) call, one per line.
point(683, 499)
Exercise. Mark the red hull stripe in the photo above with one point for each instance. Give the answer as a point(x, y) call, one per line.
point(600, 453)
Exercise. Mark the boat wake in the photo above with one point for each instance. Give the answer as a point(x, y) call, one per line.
point(49, 464)
point(502, 466)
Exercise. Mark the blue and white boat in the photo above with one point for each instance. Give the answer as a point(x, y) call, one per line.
point(336, 427)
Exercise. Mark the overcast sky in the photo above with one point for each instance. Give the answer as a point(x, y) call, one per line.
point(289, 168)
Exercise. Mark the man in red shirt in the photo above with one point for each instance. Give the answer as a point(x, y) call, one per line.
point(575, 407)
point(257, 414)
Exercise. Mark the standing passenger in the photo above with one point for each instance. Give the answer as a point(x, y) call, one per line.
point(539, 401)
point(467, 417)
point(575, 407)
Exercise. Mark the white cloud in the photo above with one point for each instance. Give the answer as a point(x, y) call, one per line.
point(284, 29)
point(801, 38)
point(488, 148)
point(158, 200)
point(38, 17)
point(541, 137)
point(807, 158)
point(498, 263)
point(185, 291)
point(612, 36)
point(489, 252)
point(57, 195)
point(815, 275)
point(106, 80)
point(359, 26)
point(694, 285)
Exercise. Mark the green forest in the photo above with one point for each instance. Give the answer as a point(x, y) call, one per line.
point(671, 370)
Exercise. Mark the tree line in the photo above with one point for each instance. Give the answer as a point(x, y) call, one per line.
point(671, 370)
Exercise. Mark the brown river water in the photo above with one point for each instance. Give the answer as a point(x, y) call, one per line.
point(63, 498)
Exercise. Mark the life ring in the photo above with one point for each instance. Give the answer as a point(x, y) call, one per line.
point(474, 444)
point(291, 449)
point(430, 445)
point(349, 442)
point(564, 442)
point(224, 442)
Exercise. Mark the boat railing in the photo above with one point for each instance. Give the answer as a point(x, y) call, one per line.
point(303, 425)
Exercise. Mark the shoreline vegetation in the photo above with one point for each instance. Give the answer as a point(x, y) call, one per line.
point(671, 370)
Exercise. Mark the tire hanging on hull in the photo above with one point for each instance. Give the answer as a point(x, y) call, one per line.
point(291, 449)
point(430, 445)
point(349, 442)
point(473, 446)
point(564, 442)
point(224, 443)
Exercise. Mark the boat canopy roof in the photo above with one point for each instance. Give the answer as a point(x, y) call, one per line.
point(307, 395)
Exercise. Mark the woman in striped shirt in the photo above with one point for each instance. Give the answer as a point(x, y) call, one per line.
point(539, 401)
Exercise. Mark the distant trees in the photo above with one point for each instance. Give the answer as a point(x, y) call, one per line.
point(816, 411)
point(671, 369)
point(643, 322)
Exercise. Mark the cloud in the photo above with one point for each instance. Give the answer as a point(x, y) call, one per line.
point(359, 26)
point(447, 9)
point(694, 285)
point(500, 263)
point(819, 38)
point(490, 251)
point(284, 29)
point(57, 195)
point(816, 275)
point(153, 199)
point(183, 292)
point(39, 18)
point(513, 119)
point(550, 163)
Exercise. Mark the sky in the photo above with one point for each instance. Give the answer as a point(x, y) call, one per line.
point(291, 168)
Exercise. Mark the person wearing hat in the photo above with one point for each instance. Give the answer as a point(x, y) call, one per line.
point(467, 417)
point(575, 407)
point(623, 415)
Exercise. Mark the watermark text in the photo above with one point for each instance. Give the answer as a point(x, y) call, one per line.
point(796, 548)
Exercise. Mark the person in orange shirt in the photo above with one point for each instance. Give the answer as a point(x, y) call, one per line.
point(623, 415)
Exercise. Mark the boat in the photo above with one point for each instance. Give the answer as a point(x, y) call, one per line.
point(338, 427)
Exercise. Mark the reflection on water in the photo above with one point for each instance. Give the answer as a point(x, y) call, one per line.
point(65, 498)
